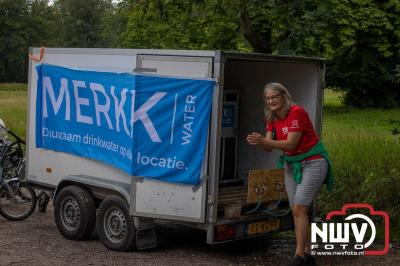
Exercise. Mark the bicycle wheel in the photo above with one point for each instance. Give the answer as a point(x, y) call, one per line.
point(17, 201)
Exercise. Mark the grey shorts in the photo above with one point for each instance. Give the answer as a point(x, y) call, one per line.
point(313, 176)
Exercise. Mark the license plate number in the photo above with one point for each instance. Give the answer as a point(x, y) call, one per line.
point(262, 227)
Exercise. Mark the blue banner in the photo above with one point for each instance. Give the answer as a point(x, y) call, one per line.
point(148, 126)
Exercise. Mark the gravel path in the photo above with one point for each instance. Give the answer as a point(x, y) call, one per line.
point(36, 241)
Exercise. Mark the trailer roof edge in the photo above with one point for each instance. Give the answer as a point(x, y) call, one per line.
point(258, 56)
point(218, 54)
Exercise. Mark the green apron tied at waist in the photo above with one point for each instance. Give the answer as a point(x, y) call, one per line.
point(295, 162)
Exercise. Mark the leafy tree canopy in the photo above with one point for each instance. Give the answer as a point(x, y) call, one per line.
point(23, 24)
point(208, 24)
point(359, 38)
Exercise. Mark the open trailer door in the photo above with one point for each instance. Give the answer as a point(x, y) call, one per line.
point(165, 200)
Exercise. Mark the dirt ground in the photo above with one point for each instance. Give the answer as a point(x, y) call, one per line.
point(36, 241)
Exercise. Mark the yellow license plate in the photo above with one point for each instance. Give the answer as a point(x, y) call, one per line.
point(262, 227)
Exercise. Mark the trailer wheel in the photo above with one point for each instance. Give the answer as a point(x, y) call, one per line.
point(75, 213)
point(114, 226)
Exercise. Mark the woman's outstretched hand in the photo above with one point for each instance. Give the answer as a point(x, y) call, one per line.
point(255, 138)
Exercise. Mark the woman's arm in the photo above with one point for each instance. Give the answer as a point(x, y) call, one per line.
point(289, 144)
point(257, 139)
point(268, 143)
point(266, 147)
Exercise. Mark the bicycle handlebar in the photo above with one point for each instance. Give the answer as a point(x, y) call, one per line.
point(13, 134)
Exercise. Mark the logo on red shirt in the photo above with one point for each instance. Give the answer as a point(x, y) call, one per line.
point(295, 123)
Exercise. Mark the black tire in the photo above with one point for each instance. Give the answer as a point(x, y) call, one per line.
point(20, 205)
point(114, 226)
point(75, 213)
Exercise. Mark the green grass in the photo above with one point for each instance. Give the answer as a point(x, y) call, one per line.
point(365, 157)
point(13, 105)
point(13, 86)
point(332, 99)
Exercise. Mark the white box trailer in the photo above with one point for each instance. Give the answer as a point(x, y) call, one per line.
point(82, 185)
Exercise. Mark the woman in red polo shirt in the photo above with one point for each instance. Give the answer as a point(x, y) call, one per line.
point(289, 128)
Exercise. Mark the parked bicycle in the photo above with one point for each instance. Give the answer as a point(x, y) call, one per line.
point(17, 199)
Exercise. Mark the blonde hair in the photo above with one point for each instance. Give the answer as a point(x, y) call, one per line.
point(288, 103)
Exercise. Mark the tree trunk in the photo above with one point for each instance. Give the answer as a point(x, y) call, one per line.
point(257, 42)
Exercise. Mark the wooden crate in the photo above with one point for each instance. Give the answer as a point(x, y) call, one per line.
point(232, 200)
point(266, 185)
point(232, 194)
